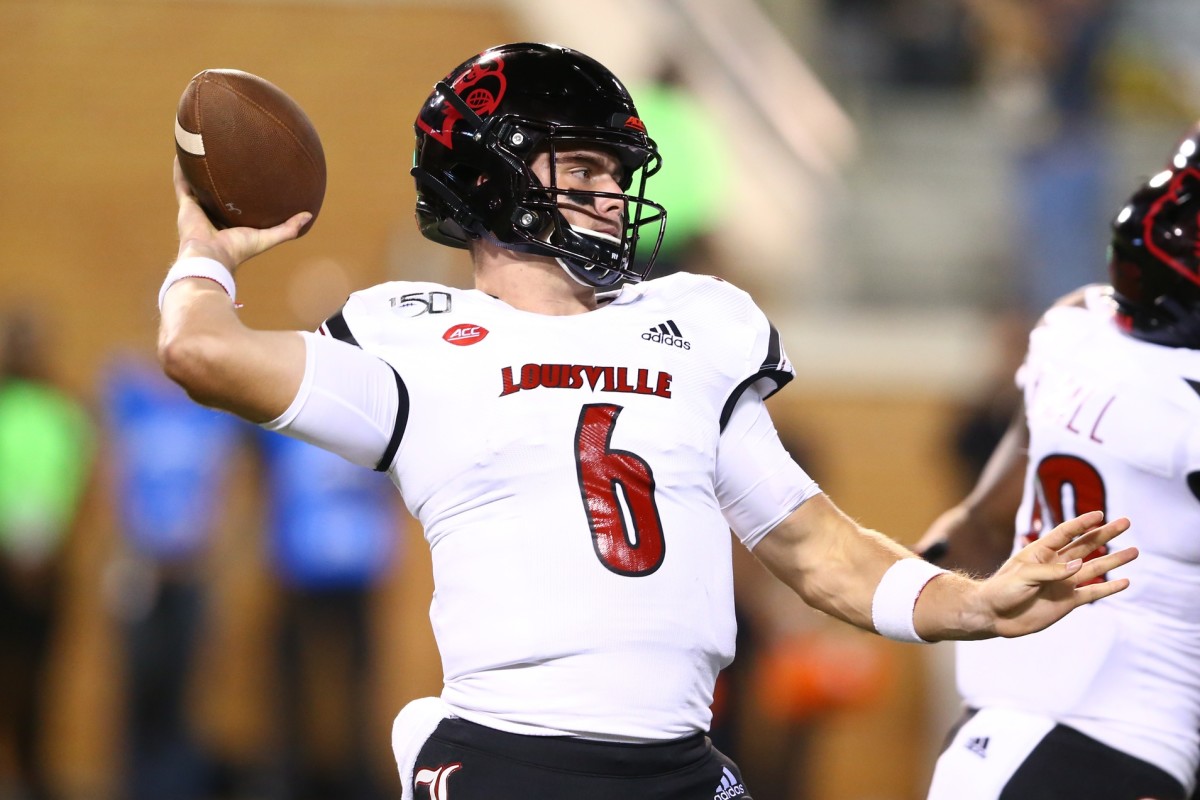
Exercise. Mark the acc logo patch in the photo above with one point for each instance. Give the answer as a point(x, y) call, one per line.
point(464, 334)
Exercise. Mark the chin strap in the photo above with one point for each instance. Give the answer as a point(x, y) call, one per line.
point(597, 246)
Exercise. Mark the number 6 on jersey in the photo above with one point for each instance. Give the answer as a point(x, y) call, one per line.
point(627, 543)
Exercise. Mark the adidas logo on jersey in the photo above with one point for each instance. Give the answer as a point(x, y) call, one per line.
point(978, 745)
point(667, 333)
point(729, 787)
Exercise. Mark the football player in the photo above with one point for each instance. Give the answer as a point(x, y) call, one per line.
point(1105, 705)
point(577, 444)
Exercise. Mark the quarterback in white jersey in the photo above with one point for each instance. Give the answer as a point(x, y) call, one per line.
point(1111, 422)
point(577, 444)
point(570, 507)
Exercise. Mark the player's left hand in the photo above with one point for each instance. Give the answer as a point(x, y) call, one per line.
point(1044, 581)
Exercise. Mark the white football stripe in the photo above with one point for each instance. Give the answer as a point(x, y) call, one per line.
point(188, 142)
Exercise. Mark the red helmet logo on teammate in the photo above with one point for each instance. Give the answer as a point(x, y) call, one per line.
point(1154, 260)
point(1176, 243)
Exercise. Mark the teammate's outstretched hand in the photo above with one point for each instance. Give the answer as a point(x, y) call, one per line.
point(230, 246)
point(1044, 581)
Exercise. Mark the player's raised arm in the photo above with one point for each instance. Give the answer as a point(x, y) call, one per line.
point(249, 175)
point(202, 345)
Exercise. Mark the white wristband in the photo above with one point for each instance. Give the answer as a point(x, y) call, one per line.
point(197, 267)
point(896, 598)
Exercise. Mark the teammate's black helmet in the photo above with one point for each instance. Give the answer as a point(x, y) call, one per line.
point(1154, 260)
point(478, 131)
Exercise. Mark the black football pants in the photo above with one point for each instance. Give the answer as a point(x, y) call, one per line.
point(465, 761)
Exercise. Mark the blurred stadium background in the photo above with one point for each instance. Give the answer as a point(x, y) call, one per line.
point(902, 184)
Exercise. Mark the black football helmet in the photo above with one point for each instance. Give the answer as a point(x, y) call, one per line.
point(1154, 259)
point(481, 127)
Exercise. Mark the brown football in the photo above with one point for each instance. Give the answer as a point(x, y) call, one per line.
point(249, 152)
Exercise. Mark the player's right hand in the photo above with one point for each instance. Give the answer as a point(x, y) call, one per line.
point(230, 246)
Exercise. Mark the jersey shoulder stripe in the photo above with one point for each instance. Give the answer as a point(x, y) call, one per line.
point(766, 368)
point(337, 327)
point(775, 372)
point(401, 424)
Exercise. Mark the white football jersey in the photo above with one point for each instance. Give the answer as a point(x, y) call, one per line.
point(1114, 425)
point(564, 470)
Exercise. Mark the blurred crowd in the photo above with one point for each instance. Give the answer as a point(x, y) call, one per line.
point(330, 533)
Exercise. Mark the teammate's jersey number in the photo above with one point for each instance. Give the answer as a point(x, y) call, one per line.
point(1057, 475)
point(628, 535)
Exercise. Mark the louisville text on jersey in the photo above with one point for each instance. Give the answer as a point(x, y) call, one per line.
point(627, 380)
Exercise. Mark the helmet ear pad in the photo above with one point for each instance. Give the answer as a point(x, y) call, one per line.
point(470, 197)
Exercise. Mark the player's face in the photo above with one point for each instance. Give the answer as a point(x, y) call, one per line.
point(586, 170)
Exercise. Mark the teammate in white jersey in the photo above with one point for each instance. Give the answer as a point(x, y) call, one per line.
point(577, 445)
point(1105, 705)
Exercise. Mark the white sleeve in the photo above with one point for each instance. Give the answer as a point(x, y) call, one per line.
point(349, 402)
point(758, 483)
